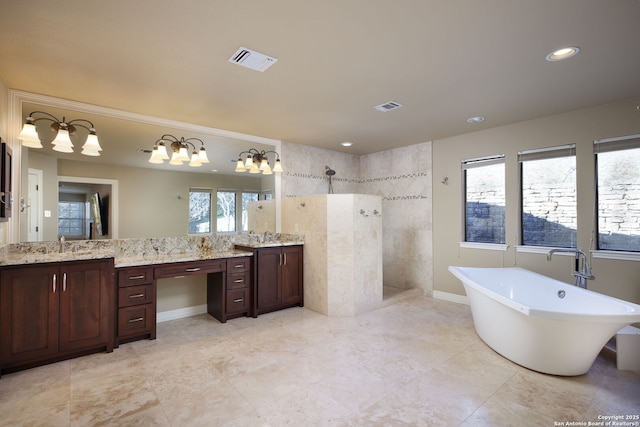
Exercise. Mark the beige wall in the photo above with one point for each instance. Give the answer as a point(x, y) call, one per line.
point(613, 277)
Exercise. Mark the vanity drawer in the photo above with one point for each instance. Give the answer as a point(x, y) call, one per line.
point(135, 295)
point(135, 320)
point(238, 264)
point(135, 276)
point(238, 280)
point(187, 268)
point(237, 301)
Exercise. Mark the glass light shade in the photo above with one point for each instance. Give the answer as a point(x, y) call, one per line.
point(240, 166)
point(195, 160)
point(156, 157)
point(183, 154)
point(267, 171)
point(255, 169)
point(175, 159)
point(62, 142)
point(264, 164)
point(91, 147)
point(248, 164)
point(162, 151)
point(277, 167)
point(29, 136)
point(202, 156)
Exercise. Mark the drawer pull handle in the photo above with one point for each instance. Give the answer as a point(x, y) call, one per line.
point(136, 296)
point(238, 266)
point(139, 319)
point(238, 300)
point(192, 269)
point(55, 280)
point(64, 282)
point(238, 281)
point(136, 277)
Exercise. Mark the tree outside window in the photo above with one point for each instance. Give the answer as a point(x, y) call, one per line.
point(226, 211)
point(199, 211)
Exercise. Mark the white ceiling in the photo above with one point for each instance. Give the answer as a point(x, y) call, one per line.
point(444, 60)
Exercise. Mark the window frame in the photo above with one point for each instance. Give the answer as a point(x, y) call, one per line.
point(475, 163)
point(83, 221)
point(235, 210)
point(211, 229)
point(602, 146)
point(547, 153)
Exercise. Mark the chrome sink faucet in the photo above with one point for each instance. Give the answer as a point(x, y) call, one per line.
point(582, 273)
point(62, 247)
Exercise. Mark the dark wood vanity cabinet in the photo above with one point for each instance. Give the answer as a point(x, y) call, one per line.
point(55, 311)
point(136, 314)
point(278, 278)
point(229, 293)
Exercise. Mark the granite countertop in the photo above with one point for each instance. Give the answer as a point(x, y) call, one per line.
point(268, 244)
point(131, 261)
point(120, 261)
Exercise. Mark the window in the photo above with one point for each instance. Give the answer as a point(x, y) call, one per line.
point(484, 199)
point(549, 215)
point(199, 211)
point(618, 193)
point(226, 211)
point(251, 196)
point(71, 219)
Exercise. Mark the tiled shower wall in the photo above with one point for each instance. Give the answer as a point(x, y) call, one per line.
point(402, 177)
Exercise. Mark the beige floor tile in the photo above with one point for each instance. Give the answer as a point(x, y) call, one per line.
point(418, 362)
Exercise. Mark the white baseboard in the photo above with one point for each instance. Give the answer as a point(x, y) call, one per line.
point(181, 313)
point(447, 296)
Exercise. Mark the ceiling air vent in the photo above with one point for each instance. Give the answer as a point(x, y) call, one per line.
point(252, 59)
point(388, 106)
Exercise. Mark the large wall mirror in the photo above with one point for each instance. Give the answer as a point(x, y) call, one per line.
point(138, 198)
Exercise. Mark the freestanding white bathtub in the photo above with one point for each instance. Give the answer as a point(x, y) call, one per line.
point(539, 322)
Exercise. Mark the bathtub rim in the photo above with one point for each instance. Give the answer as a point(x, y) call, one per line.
point(631, 314)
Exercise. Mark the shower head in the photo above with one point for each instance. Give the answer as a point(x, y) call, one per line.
point(329, 171)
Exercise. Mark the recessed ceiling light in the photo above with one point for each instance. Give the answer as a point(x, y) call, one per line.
point(346, 144)
point(564, 53)
point(476, 119)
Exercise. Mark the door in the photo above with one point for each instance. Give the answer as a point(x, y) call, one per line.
point(28, 313)
point(268, 280)
point(292, 275)
point(84, 305)
point(33, 206)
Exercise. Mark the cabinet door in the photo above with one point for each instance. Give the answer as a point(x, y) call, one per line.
point(84, 305)
point(291, 275)
point(28, 313)
point(268, 278)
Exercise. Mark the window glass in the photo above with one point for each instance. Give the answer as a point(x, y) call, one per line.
point(246, 198)
point(549, 211)
point(484, 201)
point(199, 211)
point(226, 211)
point(618, 195)
point(71, 218)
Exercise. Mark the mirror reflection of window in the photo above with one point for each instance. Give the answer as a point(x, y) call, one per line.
point(226, 211)
point(72, 219)
point(199, 211)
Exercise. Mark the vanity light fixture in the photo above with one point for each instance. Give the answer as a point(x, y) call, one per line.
point(564, 53)
point(180, 148)
point(258, 162)
point(64, 130)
